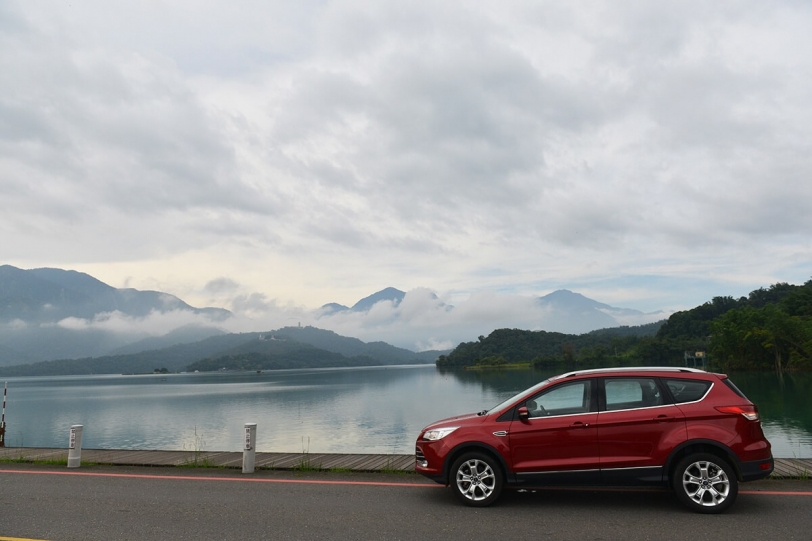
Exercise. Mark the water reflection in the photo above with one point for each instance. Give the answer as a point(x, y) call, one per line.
point(785, 405)
point(502, 382)
point(787, 398)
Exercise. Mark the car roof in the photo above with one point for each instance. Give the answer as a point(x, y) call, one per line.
point(631, 370)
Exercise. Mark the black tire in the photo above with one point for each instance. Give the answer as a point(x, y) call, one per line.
point(705, 483)
point(476, 479)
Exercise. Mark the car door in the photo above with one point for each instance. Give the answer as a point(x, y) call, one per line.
point(637, 429)
point(557, 442)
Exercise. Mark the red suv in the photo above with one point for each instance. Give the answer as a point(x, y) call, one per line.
point(682, 427)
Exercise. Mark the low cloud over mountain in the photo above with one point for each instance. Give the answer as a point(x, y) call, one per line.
point(422, 320)
point(53, 313)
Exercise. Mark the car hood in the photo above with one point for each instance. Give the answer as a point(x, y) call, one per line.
point(458, 420)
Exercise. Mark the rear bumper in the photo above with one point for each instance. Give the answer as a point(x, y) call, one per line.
point(756, 469)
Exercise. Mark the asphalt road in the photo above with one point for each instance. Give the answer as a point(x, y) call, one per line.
point(116, 503)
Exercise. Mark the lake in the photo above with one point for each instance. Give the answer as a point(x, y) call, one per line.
point(340, 410)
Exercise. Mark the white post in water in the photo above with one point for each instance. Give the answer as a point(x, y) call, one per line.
point(75, 446)
point(249, 453)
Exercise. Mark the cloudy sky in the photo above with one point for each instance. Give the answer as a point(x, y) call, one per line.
point(274, 156)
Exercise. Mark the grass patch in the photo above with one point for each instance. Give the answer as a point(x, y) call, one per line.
point(42, 462)
point(199, 462)
point(199, 458)
point(305, 464)
point(15, 460)
point(389, 467)
point(396, 472)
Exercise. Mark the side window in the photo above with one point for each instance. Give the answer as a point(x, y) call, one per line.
point(687, 390)
point(631, 393)
point(565, 399)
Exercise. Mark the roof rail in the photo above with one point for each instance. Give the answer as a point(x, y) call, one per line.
point(632, 368)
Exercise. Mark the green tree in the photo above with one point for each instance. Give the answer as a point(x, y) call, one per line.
point(799, 301)
point(761, 338)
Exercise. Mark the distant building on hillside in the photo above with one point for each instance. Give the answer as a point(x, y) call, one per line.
point(696, 359)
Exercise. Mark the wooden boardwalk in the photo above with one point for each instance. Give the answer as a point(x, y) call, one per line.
point(785, 468)
point(215, 459)
point(792, 468)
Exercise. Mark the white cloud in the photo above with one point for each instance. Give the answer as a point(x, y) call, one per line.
point(123, 325)
point(422, 321)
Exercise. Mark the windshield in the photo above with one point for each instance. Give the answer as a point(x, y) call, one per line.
point(517, 397)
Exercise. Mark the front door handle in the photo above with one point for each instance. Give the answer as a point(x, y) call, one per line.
point(579, 424)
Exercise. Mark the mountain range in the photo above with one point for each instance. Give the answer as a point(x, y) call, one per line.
point(389, 294)
point(50, 295)
point(573, 313)
point(44, 314)
point(288, 347)
point(48, 314)
point(580, 314)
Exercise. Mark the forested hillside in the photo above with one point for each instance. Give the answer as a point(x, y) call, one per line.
point(769, 329)
point(548, 348)
point(289, 347)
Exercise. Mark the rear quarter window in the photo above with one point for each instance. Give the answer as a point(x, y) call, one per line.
point(687, 390)
point(733, 388)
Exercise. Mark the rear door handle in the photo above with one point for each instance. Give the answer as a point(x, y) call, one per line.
point(662, 418)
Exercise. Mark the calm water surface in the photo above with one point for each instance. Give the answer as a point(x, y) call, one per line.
point(356, 410)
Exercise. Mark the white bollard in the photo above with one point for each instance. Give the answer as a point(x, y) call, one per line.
point(75, 446)
point(249, 450)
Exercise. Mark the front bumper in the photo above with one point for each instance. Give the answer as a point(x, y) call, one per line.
point(428, 462)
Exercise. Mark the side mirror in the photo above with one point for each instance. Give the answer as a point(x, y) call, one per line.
point(524, 414)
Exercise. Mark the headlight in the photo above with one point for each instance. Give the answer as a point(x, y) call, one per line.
point(438, 433)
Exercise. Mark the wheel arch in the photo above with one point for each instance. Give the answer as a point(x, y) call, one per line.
point(701, 446)
point(474, 446)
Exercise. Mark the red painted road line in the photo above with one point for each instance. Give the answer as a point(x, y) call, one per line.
point(775, 493)
point(362, 483)
point(240, 479)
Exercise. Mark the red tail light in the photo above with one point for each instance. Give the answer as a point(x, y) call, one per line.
point(750, 412)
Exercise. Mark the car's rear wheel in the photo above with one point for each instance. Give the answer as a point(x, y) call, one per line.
point(705, 483)
point(476, 479)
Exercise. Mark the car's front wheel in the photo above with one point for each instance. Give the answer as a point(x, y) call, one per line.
point(705, 483)
point(476, 479)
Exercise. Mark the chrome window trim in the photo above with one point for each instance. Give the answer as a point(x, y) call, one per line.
point(634, 468)
point(641, 408)
point(564, 415)
point(556, 471)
